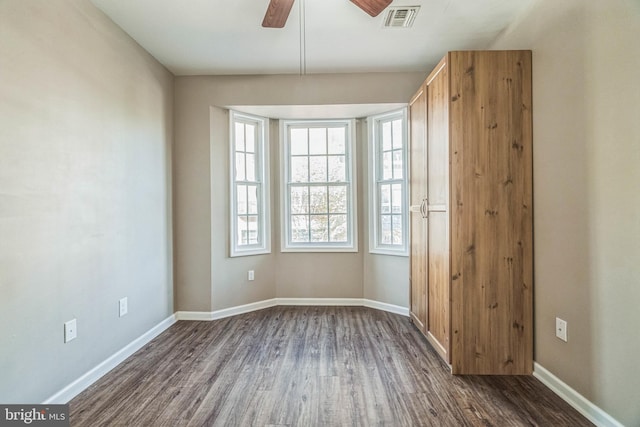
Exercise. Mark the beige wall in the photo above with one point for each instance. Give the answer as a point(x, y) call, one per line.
point(230, 287)
point(586, 114)
point(206, 278)
point(385, 278)
point(85, 193)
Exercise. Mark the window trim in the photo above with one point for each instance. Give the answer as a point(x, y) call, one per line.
point(374, 172)
point(351, 159)
point(262, 176)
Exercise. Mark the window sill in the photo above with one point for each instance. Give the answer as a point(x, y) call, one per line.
point(390, 252)
point(316, 249)
point(236, 254)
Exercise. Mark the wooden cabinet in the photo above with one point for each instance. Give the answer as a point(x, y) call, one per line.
point(471, 211)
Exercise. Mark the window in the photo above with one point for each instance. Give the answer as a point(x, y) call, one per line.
point(318, 186)
point(249, 149)
point(388, 177)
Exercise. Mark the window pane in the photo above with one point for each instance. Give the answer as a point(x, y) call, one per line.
point(337, 170)
point(299, 228)
point(252, 226)
point(396, 198)
point(336, 140)
point(385, 226)
point(243, 235)
point(317, 141)
point(388, 208)
point(318, 169)
point(239, 136)
point(386, 136)
point(299, 199)
point(338, 199)
point(318, 199)
point(397, 164)
point(300, 169)
point(338, 228)
point(396, 225)
point(252, 199)
point(317, 192)
point(319, 228)
point(241, 194)
point(250, 135)
point(249, 199)
point(299, 141)
point(387, 166)
point(251, 167)
point(397, 134)
point(240, 172)
point(385, 199)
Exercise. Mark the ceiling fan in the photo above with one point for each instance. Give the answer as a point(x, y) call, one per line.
point(278, 10)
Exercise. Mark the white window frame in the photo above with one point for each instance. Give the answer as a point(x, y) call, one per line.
point(351, 245)
point(375, 177)
point(262, 179)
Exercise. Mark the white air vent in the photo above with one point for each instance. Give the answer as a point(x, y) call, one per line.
point(401, 16)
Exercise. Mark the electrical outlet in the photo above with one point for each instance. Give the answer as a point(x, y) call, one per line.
point(70, 330)
point(561, 329)
point(123, 306)
point(251, 275)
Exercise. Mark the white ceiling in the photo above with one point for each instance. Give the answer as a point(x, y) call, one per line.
point(213, 37)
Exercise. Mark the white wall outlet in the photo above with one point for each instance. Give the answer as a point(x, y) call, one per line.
point(251, 275)
point(123, 306)
point(70, 330)
point(561, 329)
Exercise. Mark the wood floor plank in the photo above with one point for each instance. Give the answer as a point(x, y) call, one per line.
point(307, 366)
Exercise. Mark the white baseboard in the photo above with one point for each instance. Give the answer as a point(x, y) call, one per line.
point(194, 315)
point(259, 305)
point(240, 309)
point(403, 311)
point(320, 301)
point(79, 385)
point(592, 412)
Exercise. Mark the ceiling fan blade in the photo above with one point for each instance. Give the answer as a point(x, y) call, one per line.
point(277, 13)
point(372, 7)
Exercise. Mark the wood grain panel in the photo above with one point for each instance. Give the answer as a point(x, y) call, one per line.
point(438, 309)
point(418, 192)
point(491, 206)
point(438, 137)
point(307, 366)
point(438, 284)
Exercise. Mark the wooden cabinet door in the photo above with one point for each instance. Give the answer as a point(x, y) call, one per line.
point(491, 239)
point(418, 191)
point(438, 283)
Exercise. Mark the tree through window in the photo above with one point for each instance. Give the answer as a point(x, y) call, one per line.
point(319, 190)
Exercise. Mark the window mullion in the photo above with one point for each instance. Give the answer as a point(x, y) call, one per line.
point(318, 218)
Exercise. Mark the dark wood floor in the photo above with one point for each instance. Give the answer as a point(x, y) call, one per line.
point(307, 366)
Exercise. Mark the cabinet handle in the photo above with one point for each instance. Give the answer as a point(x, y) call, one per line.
point(423, 208)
